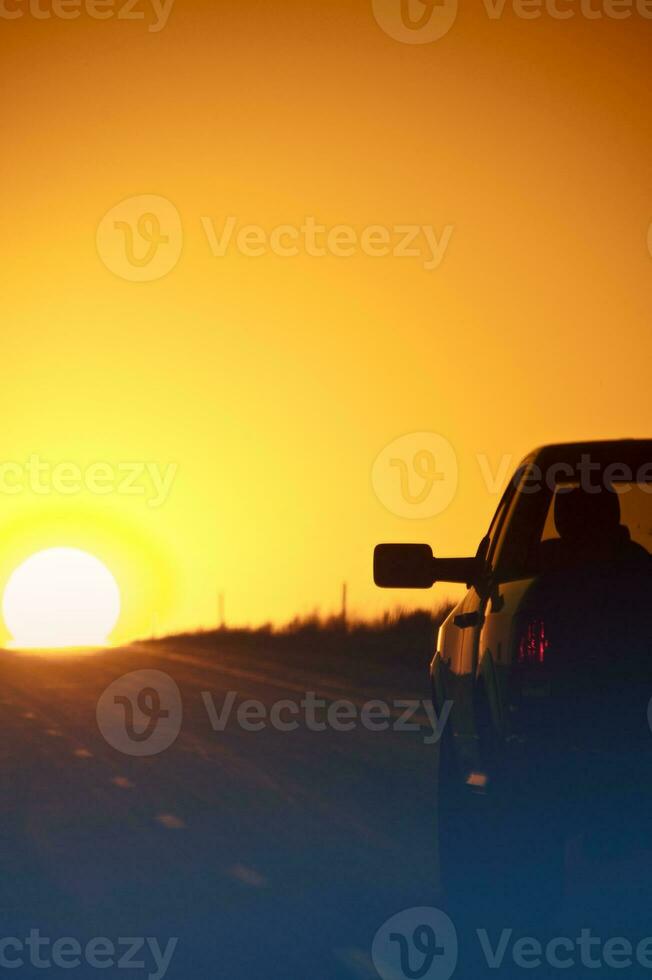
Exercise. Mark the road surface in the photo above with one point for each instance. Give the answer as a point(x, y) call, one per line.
point(263, 853)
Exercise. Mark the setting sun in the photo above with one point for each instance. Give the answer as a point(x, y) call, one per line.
point(61, 597)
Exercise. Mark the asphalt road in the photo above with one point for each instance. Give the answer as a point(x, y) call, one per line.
point(263, 853)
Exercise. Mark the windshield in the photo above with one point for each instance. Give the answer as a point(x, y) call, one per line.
point(635, 501)
point(567, 523)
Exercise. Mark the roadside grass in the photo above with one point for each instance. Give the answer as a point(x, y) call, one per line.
point(400, 638)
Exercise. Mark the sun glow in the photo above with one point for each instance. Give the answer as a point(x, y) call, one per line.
point(61, 597)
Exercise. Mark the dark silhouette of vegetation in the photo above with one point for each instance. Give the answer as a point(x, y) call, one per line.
point(400, 637)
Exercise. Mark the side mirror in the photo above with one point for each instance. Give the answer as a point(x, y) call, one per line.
point(413, 566)
point(404, 566)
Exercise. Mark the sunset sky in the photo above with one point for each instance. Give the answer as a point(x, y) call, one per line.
point(266, 386)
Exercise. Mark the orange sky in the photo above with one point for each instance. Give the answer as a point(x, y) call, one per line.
point(272, 383)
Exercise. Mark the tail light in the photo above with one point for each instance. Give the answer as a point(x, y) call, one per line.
point(533, 643)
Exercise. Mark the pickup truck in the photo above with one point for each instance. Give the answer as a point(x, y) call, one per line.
point(546, 666)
